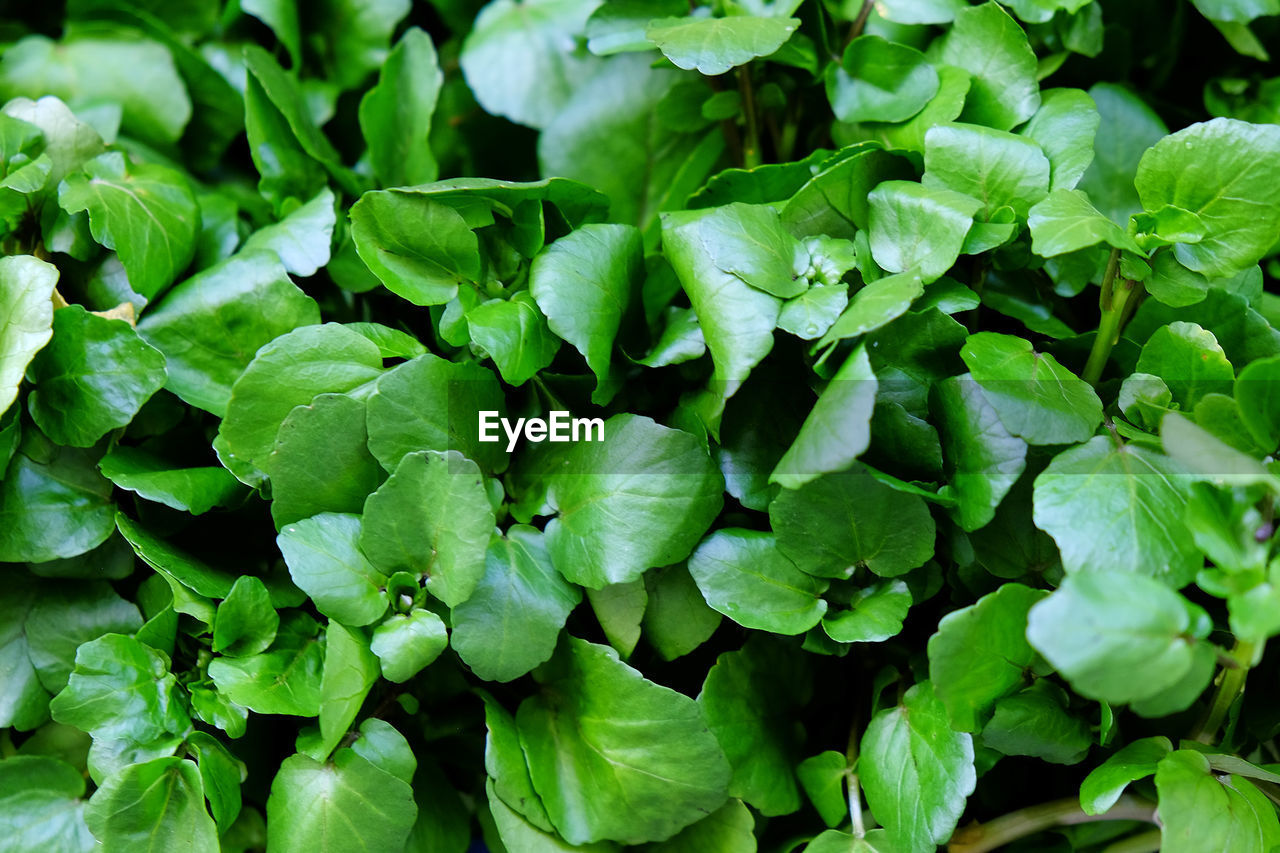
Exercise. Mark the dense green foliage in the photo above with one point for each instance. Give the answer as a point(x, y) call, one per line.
point(939, 385)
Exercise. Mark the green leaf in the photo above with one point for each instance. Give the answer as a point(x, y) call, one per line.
point(676, 618)
point(1065, 127)
point(521, 61)
point(350, 669)
point(92, 378)
point(640, 498)
point(583, 283)
point(330, 427)
point(53, 506)
point(511, 622)
point(193, 490)
point(285, 679)
point(429, 403)
point(1202, 810)
point(395, 115)
point(618, 26)
point(916, 771)
point(24, 703)
point(1103, 787)
point(1119, 509)
point(714, 45)
point(615, 134)
point(153, 806)
point(41, 806)
point(1256, 394)
point(26, 291)
point(515, 334)
point(357, 35)
point(69, 142)
point(136, 73)
point(729, 829)
point(405, 643)
point(744, 575)
point(983, 460)
point(1216, 170)
point(432, 518)
point(823, 777)
point(1238, 11)
point(147, 213)
point(613, 755)
point(917, 228)
point(837, 429)
point(1035, 723)
point(880, 80)
point(1129, 127)
point(210, 326)
point(120, 689)
point(997, 168)
point(991, 46)
point(1066, 221)
point(750, 699)
point(246, 622)
point(811, 314)
point(325, 561)
point(1117, 637)
point(1189, 360)
point(344, 806)
point(1037, 399)
point(221, 774)
point(980, 654)
point(834, 201)
point(839, 522)
point(302, 239)
point(736, 318)
point(877, 304)
point(290, 371)
point(62, 618)
point(420, 248)
point(875, 614)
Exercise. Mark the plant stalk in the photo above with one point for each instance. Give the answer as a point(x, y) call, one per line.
point(1147, 842)
point(1117, 291)
point(983, 837)
point(1230, 686)
point(860, 22)
point(751, 144)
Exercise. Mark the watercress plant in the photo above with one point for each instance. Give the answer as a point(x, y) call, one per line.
point(933, 349)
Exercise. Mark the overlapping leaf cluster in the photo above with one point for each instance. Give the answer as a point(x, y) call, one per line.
point(938, 383)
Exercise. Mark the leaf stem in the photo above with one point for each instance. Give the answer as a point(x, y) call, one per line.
point(854, 790)
point(983, 837)
point(1117, 291)
point(860, 22)
point(1147, 842)
point(750, 145)
point(1230, 685)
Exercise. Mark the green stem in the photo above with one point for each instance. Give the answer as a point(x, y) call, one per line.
point(1230, 686)
point(860, 22)
point(1147, 842)
point(1115, 296)
point(750, 145)
point(984, 837)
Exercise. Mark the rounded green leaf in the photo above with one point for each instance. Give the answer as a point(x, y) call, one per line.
point(1117, 637)
point(407, 642)
point(1118, 508)
point(614, 756)
point(637, 500)
point(325, 561)
point(432, 518)
point(26, 318)
point(420, 248)
point(1189, 360)
point(92, 378)
point(53, 505)
point(153, 806)
point(837, 523)
point(1203, 810)
point(714, 45)
point(982, 459)
point(991, 46)
point(998, 168)
point(41, 806)
point(880, 80)
point(511, 622)
point(210, 326)
point(285, 679)
point(916, 771)
point(744, 575)
point(348, 805)
point(917, 228)
point(395, 115)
